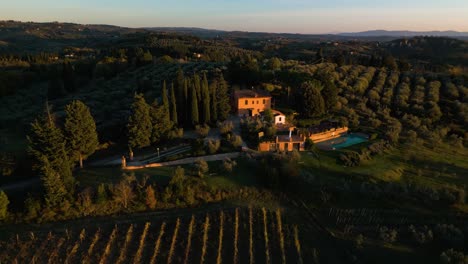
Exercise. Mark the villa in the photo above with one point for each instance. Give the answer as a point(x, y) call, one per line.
point(251, 102)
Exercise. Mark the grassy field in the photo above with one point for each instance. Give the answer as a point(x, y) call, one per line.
point(416, 163)
point(107, 175)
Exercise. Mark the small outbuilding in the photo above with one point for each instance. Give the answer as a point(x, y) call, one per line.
point(280, 118)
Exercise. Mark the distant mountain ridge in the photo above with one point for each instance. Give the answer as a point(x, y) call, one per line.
point(405, 33)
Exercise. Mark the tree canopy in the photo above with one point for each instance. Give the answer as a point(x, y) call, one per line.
point(80, 131)
point(139, 124)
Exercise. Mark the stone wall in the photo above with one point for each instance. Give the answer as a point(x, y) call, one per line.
point(330, 134)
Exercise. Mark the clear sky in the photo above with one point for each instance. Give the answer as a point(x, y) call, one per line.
point(297, 16)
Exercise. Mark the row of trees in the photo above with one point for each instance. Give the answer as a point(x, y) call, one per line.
point(199, 102)
point(192, 101)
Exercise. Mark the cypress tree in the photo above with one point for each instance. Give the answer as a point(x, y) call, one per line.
point(214, 100)
point(197, 84)
point(80, 131)
point(206, 100)
point(222, 97)
point(160, 121)
point(195, 114)
point(186, 99)
point(139, 123)
point(165, 100)
point(173, 106)
point(180, 100)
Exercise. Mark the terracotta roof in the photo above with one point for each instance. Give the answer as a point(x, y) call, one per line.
point(251, 93)
point(276, 112)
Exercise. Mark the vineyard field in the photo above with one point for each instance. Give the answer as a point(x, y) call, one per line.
point(231, 236)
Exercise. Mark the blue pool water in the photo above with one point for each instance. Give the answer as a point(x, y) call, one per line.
point(343, 141)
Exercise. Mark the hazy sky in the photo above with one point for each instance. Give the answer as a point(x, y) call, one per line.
point(301, 16)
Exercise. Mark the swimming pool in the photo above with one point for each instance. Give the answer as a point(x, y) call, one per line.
point(343, 141)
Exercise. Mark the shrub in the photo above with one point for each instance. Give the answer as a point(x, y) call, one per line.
point(150, 199)
point(225, 127)
point(101, 196)
point(201, 167)
point(309, 144)
point(228, 165)
point(449, 234)
point(351, 158)
point(236, 141)
point(202, 130)
point(359, 241)
point(421, 235)
point(176, 133)
point(198, 148)
point(32, 208)
point(213, 146)
point(3, 205)
point(451, 256)
point(388, 235)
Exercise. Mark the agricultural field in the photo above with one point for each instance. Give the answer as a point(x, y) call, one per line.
point(403, 236)
point(238, 235)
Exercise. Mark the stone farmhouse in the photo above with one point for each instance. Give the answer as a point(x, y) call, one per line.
point(252, 103)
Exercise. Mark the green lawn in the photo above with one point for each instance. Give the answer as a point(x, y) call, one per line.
point(416, 163)
point(242, 175)
point(96, 176)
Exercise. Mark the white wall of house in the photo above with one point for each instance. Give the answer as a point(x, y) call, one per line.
point(280, 119)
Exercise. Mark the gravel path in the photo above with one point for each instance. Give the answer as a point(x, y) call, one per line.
point(185, 161)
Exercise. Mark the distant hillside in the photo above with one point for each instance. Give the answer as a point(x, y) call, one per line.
point(437, 50)
point(405, 33)
point(32, 36)
point(199, 32)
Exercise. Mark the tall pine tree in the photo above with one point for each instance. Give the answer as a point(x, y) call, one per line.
point(47, 147)
point(56, 192)
point(139, 123)
point(80, 131)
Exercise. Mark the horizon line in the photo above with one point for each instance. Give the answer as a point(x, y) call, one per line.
point(227, 30)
